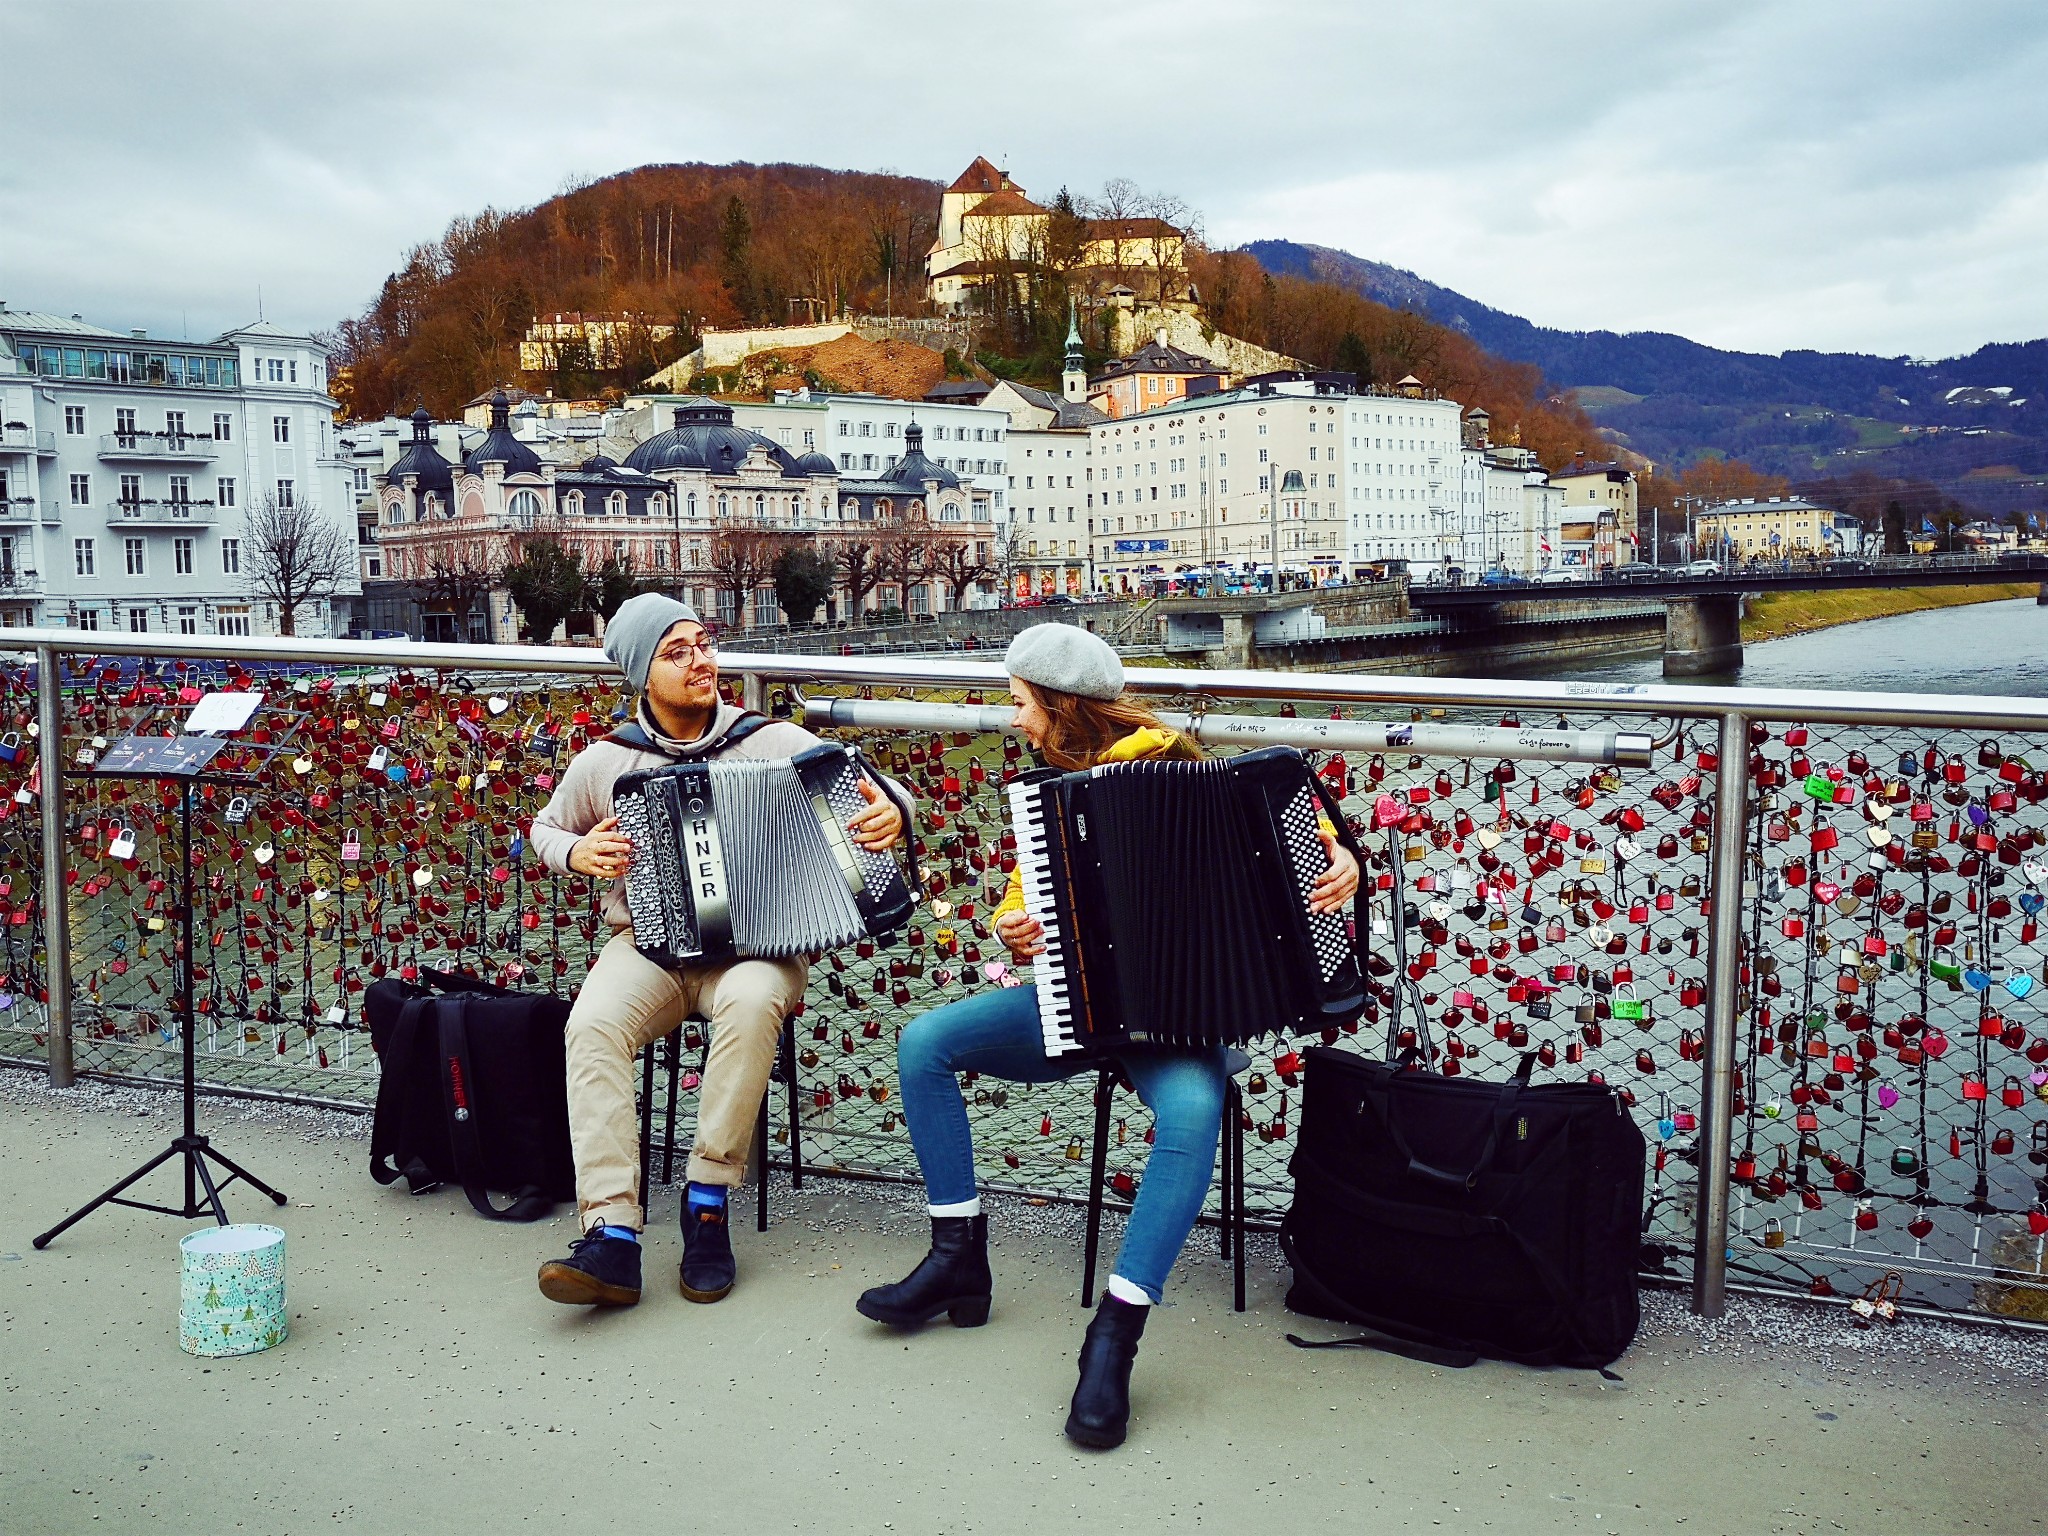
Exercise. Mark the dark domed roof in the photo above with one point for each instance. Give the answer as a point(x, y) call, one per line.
point(816, 463)
point(500, 446)
point(704, 437)
point(598, 464)
point(423, 459)
point(914, 469)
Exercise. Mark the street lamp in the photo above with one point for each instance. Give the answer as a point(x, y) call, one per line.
point(1293, 485)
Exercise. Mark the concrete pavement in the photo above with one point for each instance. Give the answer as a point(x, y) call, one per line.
point(427, 1386)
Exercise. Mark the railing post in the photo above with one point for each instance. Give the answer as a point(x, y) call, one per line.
point(1724, 954)
point(56, 897)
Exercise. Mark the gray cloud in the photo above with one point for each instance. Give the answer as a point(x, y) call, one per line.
point(1869, 177)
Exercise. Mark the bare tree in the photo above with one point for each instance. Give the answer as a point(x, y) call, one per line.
point(292, 555)
point(456, 579)
point(859, 571)
point(960, 563)
point(742, 561)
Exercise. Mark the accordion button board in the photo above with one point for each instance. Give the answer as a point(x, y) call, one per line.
point(752, 857)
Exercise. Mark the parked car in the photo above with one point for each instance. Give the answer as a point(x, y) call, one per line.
point(1056, 600)
point(1704, 568)
point(1501, 576)
point(1558, 575)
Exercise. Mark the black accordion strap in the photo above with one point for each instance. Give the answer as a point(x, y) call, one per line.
point(633, 734)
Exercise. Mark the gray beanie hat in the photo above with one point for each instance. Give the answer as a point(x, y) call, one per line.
point(1068, 658)
point(635, 632)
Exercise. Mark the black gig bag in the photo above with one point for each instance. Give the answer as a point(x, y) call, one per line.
point(473, 1092)
point(1460, 1218)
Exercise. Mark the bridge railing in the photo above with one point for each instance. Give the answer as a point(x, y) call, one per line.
point(1805, 944)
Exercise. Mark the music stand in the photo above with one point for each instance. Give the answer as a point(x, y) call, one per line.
point(184, 758)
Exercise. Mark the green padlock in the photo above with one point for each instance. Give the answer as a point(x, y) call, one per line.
point(1820, 787)
point(1905, 1162)
point(1945, 970)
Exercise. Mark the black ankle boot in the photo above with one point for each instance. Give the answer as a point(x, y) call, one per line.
point(1102, 1402)
point(953, 1278)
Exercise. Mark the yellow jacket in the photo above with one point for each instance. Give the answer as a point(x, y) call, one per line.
point(1146, 741)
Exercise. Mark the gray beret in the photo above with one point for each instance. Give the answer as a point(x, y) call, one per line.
point(1068, 658)
point(635, 632)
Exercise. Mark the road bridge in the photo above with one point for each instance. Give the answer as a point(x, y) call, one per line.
point(1703, 624)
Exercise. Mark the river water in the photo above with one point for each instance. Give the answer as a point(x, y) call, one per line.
point(1988, 648)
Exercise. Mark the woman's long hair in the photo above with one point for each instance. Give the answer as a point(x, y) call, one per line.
point(1081, 729)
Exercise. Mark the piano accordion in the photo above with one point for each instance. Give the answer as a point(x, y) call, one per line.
point(1174, 897)
point(751, 857)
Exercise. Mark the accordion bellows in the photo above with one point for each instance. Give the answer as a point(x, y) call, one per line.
point(751, 857)
point(1175, 902)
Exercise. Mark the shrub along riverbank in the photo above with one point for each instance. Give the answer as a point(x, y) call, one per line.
point(1776, 615)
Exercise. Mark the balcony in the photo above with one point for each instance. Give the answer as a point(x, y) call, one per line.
point(17, 584)
point(162, 514)
point(19, 437)
point(162, 447)
point(20, 510)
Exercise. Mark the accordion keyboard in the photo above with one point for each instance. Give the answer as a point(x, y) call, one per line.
point(1056, 1011)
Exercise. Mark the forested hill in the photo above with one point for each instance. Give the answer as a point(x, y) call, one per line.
point(1798, 413)
point(679, 245)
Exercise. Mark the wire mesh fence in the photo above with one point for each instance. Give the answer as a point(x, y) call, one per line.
point(1889, 1104)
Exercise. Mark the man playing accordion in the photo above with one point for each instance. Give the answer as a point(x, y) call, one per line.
point(627, 1001)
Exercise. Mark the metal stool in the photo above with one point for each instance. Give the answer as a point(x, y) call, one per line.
point(784, 1069)
point(1229, 1220)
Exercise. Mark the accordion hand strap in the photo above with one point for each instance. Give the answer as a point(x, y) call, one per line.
point(1360, 920)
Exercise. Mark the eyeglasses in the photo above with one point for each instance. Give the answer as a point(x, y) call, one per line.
point(678, 651)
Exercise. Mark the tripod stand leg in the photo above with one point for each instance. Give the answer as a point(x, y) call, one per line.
point(86, 1210)
point(248, 1178)
point(195, 1163)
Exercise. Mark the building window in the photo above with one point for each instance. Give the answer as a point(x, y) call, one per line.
point(82, 559)
point(223, 432)
point(124, 426)
point(845, 429)
point(174, 425)
point(234, 621)
point(276, 370)
point(280, 429)
point(89, 619)
point(224, 490)
point(133, 553)
point(138, 621)
point(81, 490)
point(74, 420)
point(181, 557)
point(373, 565)
point(230, 556)
point(188, 619)
point(285, 492)
point(131, 490)
point(181, 494)
point(524, 508)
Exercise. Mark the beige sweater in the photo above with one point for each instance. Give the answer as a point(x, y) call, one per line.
point(584, 796)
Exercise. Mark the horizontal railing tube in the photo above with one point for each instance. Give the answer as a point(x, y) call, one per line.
point(1628, 749)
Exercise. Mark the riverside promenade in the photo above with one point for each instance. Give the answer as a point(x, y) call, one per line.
point(426, 1386)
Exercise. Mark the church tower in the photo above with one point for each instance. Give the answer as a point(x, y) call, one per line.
point(1074, 378)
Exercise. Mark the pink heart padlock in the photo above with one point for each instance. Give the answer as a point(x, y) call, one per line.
point(1887, 1095)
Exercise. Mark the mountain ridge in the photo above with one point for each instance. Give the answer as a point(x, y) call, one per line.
point(1800, 412)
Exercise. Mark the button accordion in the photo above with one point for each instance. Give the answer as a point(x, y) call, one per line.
point(1174, 897)
point(752, 857)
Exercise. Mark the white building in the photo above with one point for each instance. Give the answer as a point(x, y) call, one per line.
point(128, 467)
point(1047, 546)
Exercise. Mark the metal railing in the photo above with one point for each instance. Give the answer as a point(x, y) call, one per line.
point(1698, 914)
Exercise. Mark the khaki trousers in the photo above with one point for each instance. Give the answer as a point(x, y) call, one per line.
point(627, 1002)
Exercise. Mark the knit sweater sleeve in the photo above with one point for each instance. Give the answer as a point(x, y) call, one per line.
point(581, 800)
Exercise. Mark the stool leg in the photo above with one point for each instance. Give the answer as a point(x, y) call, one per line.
point(796, 1144)
point(675, 1065)
point(761, 1163)
point(1223, 1160)
point(1098, 1162)
point(1237, 1200)
point(646, 1120)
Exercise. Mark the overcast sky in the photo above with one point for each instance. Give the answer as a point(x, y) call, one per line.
point(1868, 177)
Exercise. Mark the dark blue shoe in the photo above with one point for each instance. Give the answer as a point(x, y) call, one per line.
point(600, 1271)
point(708, 1270)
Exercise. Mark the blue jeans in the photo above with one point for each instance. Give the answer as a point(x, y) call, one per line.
point(996, 1031)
